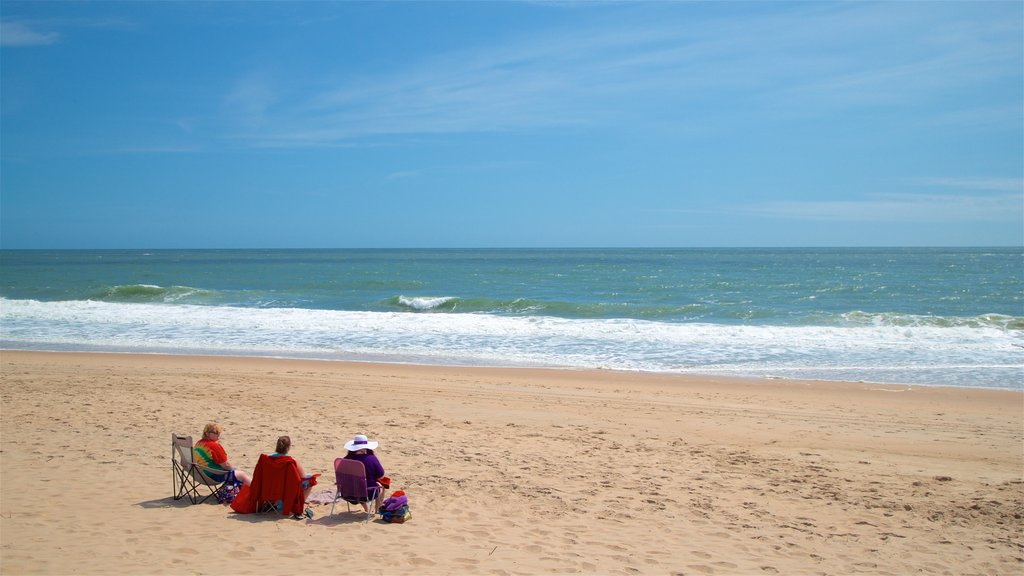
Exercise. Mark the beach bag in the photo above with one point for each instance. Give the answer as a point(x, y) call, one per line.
point(397, 516)
point(228, 493)
point(396, 508)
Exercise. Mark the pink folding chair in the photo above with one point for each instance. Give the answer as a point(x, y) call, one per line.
point(350, 482)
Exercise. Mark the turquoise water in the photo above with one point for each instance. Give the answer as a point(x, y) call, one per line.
point(928, 316)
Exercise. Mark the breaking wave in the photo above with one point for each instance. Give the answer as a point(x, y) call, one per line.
point(981, 353)
point(149, 293)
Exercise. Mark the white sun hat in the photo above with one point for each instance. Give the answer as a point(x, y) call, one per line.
point(360, 442)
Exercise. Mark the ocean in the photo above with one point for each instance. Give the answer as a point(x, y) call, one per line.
point(932, 316)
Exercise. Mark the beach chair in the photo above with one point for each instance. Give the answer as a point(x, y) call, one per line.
point(350, 482)
point(276, 487)
point(188, 477)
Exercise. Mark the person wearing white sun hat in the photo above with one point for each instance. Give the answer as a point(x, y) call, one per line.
point(360, 448)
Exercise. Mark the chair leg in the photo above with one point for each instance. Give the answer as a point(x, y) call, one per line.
point(188, 489)
point(202, 500)
point(371, 506)
point(177, 482)
point(212, 491)
point(183, 486)
point(182, 490)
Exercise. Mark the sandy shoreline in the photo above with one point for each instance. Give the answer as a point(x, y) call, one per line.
point(511, 471)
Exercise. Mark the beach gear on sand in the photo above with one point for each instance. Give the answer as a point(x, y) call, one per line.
point(360, 442)
point(230, 489)
point(396, 508)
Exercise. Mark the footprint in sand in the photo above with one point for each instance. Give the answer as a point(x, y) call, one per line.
point(616, 547)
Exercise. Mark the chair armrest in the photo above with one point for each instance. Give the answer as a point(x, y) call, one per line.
point(205, 471)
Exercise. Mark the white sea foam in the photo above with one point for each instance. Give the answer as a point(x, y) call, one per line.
point(965, 355)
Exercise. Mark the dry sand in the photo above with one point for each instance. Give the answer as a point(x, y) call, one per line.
point(511, 471)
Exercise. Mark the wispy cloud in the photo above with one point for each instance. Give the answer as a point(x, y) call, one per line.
point(898, 208)
point(803, 61)
point(13, 33)
point(251, 98)
point(188, 149)
point(49, 31)
point(402, 175)
point(981, 184)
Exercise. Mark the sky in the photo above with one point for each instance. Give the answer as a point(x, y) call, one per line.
point(511, 124)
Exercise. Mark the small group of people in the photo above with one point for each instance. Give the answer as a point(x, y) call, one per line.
point(209, 453)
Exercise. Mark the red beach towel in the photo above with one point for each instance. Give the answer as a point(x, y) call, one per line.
point(274, 480)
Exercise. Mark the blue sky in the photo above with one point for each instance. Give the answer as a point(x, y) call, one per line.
point(503, 124)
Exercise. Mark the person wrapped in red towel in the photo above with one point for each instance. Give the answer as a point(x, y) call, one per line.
point(278, 481)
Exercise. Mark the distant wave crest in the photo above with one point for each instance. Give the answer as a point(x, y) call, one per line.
point(149, 293)
point(424, 304)
point(1000, 321)
point(456, 304)
point(535, 307)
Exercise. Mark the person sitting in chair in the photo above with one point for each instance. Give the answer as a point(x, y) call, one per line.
point(284, 443)
point(209, 453)
point(361, 449)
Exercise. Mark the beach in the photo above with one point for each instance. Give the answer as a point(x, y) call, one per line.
point(510, 471)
